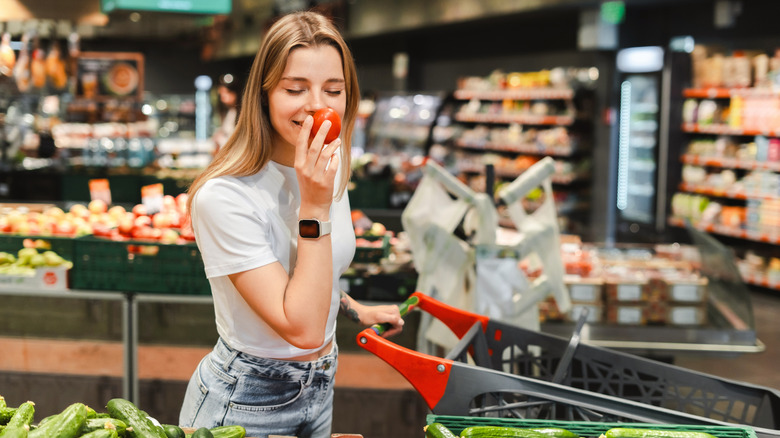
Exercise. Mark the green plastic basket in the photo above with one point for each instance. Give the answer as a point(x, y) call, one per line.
point(136, 266)
point(64, 246)
point(366, 254)
point(585, 429)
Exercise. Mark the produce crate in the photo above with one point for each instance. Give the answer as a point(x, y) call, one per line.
point(585, 429)
point(500, 370)
point(64, 246)
point(135, 266)
point(371, 254)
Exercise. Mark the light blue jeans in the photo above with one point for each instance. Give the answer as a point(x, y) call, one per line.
point(266, 396)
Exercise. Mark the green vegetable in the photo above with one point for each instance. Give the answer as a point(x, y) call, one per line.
point(14, 432)
point(173, 431)
point(6, 413)
point(625, 432)
point(22, 417)
point(67, 424)
point(438, 430)
point(496, 431)
point(228, 431)
point(101, 433)
point(555, 432)
point(142, 426)
point(94, 424)
point(203, 432)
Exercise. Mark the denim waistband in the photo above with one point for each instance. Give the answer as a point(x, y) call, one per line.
point(228, 356)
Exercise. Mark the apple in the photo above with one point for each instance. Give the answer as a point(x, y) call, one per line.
point(169, 236)
point(162, 220)
point(80, 210)
point(142, 221)
point(116, 211)
point(54, 212)
point(139, 210)
point(125, 225)
point(97, 206)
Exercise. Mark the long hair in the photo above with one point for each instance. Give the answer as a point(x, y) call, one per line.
point(249, 148)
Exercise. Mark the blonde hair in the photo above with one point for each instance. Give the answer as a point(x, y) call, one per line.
point(249, 148)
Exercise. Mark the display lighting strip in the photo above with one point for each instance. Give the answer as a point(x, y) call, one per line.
point(623, 145)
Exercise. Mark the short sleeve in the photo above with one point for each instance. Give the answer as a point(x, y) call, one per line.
point(231, 229)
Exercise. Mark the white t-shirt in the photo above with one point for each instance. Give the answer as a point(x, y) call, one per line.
point(242, 223)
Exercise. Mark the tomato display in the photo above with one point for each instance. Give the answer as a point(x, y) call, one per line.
point(335, 123)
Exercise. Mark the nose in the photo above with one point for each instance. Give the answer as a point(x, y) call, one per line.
point(314, 102)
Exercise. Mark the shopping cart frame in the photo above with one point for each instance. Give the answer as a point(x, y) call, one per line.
point(546, 376)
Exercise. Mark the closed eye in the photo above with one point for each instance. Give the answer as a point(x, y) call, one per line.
point(294, 92)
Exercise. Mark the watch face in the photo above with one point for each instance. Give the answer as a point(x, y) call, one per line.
point(309, 228)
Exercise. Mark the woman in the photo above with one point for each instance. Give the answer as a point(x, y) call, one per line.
point(276, 294)
point(228, 92)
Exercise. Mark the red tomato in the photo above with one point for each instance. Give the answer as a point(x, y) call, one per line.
point(335, 123)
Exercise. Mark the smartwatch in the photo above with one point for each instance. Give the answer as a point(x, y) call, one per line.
point(313, 228)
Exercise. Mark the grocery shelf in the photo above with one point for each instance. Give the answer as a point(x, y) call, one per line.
point(523, 148)
point(546, 93)
point(729, 231)
point(725, 93)
point(705, 189)
point(730, 163)
point(523, 119)
point(724, 129)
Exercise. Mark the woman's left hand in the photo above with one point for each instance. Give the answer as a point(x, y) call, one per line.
point(381, 314)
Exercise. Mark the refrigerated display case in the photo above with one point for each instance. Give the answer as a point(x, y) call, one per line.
point(642, 115)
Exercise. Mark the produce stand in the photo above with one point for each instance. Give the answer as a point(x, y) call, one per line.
point(499, 370)
point(130, 321)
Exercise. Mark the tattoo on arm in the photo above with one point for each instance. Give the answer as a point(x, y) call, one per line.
point(346, 309)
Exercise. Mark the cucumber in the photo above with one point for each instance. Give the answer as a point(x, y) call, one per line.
point(101, 433)
point(94, 424)
point(497, 431)
point(202, 432)
point(67, 424)
point(173, 431)
point(6, 413)
point(22, 417)
point(142, 426)
point(626, 432)
point(233, 431)
point(555, 432)
point(438, 430)
point(14, 432)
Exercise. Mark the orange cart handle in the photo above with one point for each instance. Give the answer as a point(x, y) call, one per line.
point(428, 374)
point(458, 320)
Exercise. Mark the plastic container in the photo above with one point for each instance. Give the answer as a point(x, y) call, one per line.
point(582, 428)
point(135, 266)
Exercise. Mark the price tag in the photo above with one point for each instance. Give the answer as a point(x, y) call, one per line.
point(99, 190)
point(152, 198)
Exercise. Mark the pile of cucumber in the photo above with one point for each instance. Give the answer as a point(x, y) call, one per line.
point(438, 430)
point(122, 419)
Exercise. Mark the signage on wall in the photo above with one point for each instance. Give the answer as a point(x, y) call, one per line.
point(181, 6)
point(104, 75)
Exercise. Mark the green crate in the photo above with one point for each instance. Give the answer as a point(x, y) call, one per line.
point(585, 429)
point(136, 266)
point(372, 254)
point(64, 246)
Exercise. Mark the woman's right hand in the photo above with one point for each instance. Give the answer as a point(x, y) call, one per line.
point(316, 164)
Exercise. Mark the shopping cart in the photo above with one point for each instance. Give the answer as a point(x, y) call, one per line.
point(500, 370)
